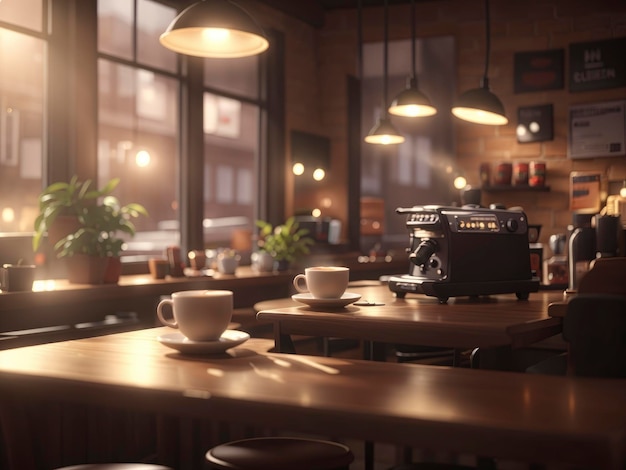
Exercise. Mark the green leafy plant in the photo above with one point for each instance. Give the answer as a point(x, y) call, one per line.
point(100, 218)
point(65, 199)
point(286, 242)
point(100, 225)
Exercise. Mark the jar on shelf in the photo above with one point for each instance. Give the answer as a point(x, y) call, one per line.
point(520, 174)
point(503, 174)
point(537, 174)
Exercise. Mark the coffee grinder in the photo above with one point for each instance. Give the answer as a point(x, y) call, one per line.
point(581, 247)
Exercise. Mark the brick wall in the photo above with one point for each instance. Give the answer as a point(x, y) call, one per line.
point(319, 60)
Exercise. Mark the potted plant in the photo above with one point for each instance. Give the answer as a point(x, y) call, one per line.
point(94, 245)
point(286, 243)
point(60, 204)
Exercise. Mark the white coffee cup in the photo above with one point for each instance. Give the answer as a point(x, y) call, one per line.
point(323, 282)
point(200, 315)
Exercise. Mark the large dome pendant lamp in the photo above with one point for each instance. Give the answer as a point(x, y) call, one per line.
point(411, 102)
point(215, 28)
point(480, 105)
point(384, 132)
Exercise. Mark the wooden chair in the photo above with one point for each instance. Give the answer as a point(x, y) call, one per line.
point(280, 453)
point(594, 328)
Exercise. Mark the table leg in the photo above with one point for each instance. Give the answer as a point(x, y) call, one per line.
point(499, 358)
point(374, 351)
point(283, 341)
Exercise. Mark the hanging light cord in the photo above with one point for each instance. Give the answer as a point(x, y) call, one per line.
point(385, 47)
point(487, 44)
point(413, 65)
point(360, 39)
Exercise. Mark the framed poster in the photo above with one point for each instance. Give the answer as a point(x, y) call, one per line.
point(538, 70)
point(597, 130)
point(597, 65)
point(584, 191)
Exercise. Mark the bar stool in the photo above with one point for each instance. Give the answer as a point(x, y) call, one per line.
point(280, 453)
point(432, 466)
point(115, 466)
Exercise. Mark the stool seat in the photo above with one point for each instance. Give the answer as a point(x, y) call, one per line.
point(431, 466)
point(115, 466)
point(280, 453)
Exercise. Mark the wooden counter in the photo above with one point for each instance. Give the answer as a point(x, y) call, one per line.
point(57, 310)
point(570, 422)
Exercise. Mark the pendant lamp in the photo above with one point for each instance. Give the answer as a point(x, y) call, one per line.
point(480, 105)
point(215, 28)
point(411, 102)
point(384, 132)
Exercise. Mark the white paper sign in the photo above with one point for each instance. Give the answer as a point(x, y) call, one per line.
point(597, 130)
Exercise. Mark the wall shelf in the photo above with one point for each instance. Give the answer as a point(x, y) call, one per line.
point(502, 188)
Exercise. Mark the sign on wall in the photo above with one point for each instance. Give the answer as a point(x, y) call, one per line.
point(597, 65)
point(534, 123)
point(538, 70)
point(597, 130)
point(585, 191)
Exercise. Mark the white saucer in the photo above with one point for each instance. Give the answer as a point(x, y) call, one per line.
point(345, 299)
point(229, 339)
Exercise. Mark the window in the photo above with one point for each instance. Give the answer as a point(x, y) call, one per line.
point(138, 116)
point(23, 60)
point(232, 111)
point(231, 142)
point(409, 173)
point(138, 120)
point(138, 128)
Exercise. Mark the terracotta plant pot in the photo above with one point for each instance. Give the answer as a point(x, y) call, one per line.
point(85, 269)
point(113, 270)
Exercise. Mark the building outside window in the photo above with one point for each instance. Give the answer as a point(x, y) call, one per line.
point(23, 62)
point(139, 84)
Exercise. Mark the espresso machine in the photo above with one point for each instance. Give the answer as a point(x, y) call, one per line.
point(466, 251)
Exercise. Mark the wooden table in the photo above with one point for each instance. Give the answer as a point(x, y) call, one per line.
point(525, 417)
point(495, 321)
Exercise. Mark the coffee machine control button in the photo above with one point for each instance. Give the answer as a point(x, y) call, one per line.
point(512, 225)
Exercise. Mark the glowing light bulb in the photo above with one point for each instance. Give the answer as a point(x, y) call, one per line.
point(8, 215)
point(319, 174)
point(460, 182)
point(215, 34)
point(142, 159)
point(298, 169)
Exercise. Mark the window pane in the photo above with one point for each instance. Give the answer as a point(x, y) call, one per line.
point(22, 60)
point(152, 20)
point(115, 28)
point(25, 13)
point(412, 172)
point(230, 155)
point(238, 76)
point(138, 143)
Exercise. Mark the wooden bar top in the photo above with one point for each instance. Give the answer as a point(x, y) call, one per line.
point(143, 284)
point(463, 322)
point(525, 417)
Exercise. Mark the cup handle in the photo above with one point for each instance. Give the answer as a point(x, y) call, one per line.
point(171, 323)
point(298, 285)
